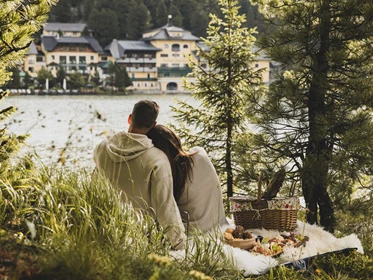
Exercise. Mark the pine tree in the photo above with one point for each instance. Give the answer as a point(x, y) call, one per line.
point(177, 17)
point(138, 20)
point(19, 21)
point(160, 16)
point(105, 26)
point(318, 114)
point(119, 77)
point(223, 90)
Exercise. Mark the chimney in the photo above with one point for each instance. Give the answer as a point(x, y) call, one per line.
point(169, 22)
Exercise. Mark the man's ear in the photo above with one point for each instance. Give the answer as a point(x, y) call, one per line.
point(129, 118)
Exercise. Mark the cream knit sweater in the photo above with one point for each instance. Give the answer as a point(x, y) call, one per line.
point(202, 197)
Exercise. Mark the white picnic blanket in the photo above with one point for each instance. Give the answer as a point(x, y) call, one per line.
point(320, 241)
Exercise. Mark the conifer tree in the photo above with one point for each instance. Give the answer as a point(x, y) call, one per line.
point(318, 113)
point(19, 21)
point(222, 89)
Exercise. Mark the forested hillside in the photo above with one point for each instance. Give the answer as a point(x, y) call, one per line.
point(128, 19)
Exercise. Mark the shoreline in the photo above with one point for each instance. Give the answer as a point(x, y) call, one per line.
point(24, 92)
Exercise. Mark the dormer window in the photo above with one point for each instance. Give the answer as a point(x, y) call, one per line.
point(175, 48)
point(185, 46)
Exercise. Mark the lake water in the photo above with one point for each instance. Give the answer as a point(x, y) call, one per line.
point(69, 127)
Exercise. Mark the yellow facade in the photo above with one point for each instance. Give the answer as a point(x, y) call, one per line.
point(156, 70)
point(33, 65)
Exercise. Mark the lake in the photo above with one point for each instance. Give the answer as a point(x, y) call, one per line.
point(69, 127)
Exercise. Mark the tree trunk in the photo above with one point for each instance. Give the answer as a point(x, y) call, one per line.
point(316, 164)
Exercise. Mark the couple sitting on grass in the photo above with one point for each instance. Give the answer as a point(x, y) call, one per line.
point(154, 173)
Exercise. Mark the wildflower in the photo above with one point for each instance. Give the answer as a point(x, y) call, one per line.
point(159, 260)
point(199, 275)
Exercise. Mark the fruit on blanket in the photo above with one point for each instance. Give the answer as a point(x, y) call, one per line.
point(247, 235)
point(276, 245)
point(228, 236)
point(238, 232)
point(230, 230)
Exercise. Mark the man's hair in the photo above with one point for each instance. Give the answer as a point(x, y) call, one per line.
point(144, 114)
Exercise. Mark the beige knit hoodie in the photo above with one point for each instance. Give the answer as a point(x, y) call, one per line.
point(143, 173)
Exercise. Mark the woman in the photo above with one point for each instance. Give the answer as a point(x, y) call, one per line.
point(196, 185)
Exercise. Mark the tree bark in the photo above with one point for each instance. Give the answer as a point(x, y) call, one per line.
point(316, 164)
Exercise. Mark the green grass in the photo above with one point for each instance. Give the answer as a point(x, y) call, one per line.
point(84, 231)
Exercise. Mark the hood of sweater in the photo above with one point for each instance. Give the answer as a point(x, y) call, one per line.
point(125, 146)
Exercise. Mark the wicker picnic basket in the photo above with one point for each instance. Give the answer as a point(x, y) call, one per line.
point(272, 214)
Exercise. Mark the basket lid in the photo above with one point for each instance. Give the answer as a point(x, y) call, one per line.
point(242, 198)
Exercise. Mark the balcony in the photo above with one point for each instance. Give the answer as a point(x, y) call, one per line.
point(137, 60)
point(173, 71)
point(141, 69)
point(144, 79)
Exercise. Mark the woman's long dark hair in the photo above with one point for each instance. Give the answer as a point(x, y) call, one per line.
point(181, 162)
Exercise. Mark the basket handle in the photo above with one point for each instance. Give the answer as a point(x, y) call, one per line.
point(259, 197)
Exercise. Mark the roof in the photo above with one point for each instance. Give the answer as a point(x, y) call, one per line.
point(203, 47)
point(56, 26)
point(53, 64)
point(165, 32)
point(118, 47)
point(33, 49)
point(50, 42)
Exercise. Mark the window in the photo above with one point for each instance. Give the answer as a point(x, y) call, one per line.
point(104, 58)
point(148, 55)
point(72, 48)
point(203, 65)
point(164, 65)
point(146, 84)
point(53, 57)
point(151, 85)
point(92, 57)
point(82, 48)
point(175, 48)
point(135, 55)
point(132, 75)
point(164, 55)
point(39, 59)
point(165, 46)
point(31, 69)
point(62, 59)
point(175, 55)
point(185, 46)
point(148, 76)
point(72, 59)
point(82, 69)
point(256, 65)
point(82, 60)
point(31, 60)
point(175, 65)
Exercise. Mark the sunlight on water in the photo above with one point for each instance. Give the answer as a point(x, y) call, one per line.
point(74, 125)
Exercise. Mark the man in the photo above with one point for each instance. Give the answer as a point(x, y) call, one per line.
point(141, 171)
